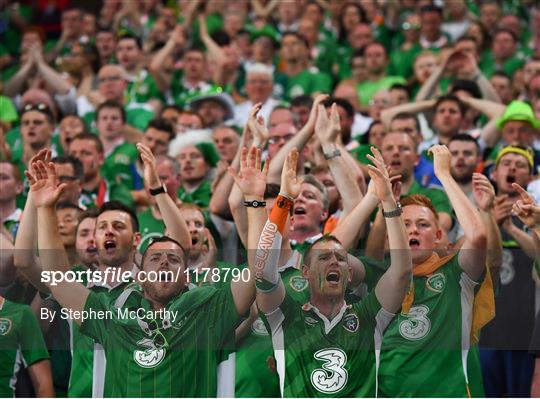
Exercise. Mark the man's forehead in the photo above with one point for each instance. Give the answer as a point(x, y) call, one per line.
point(326, 246)
point(64, 168)
point(112, 216)
point(33, 115)
point(192, 214)
point(109, 70)
point(6, 167)
point(396, 138)
point(310, 188)
point(513, 156)
point(416, 212)
point(458, 145)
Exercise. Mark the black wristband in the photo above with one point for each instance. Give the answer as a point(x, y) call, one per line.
point(159, 190)
point(255, 204)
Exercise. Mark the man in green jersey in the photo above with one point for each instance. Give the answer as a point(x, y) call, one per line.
point(112, 86)
point(120, 155)
point(327, 347)
point(430, 338)
point(21, 342)
point(142, 350)
point(96, 189)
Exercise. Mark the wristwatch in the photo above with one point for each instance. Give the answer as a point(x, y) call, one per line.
point(159, 190)
point(395, 213)
point(333, 154)
point(255, 204)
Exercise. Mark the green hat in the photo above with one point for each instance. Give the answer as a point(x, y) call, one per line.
point(518, 111)
point(214, 93)
point(209, 153)
point(266, 31)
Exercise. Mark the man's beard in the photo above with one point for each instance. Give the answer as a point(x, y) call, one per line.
point(465, 179)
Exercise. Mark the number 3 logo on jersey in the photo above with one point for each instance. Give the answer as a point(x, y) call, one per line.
point(150, 357)
point(333, 376)
point(417, 324)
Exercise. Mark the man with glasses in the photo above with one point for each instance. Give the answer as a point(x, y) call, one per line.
point(70, 171)
point(112, 86)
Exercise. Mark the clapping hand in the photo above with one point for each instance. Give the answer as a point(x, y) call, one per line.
point(151, 177)
point(380, 183)
point(256, 125)
point(44, 184)
point(483, 192)
point(290, 182)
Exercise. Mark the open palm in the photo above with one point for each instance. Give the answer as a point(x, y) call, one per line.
point(250, 178)
point(44, 184)
point(290, 182)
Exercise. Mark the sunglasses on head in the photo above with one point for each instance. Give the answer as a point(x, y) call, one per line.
point(40, 107)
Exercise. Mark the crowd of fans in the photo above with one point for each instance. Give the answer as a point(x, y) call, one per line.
point(126, 121)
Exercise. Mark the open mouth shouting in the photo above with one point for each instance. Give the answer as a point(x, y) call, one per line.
point(414, 243)
point(109, 246)
point(333, 277)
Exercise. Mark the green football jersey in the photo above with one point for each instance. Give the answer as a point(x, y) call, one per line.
point(422, 352)
point(88, 357)
point(307, 82)
point(256, 374)
point(142, 88)
point(119, 166)
point(178, 358)
point(317, 357)
point(200, 196)
point(21, 343)
point(150, 227)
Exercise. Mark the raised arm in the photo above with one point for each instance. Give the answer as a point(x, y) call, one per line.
point(54, 80)
point(270, 289)
point(7, 270)
point(252, 182)
point(415, 107)
point(175, 224)
point(46, 191)
point(177, 40)
point(298, 141)
point(392, 286)
point(484, 195)
point(472, 257)
point(222, 194)
point(493, 111)
point(327, 131)
point(25, 259)
point(15, 85)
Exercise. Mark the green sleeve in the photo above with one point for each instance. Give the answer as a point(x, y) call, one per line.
point(8, 113)
point(440, 201)
point(139, 118)
point(31, 340)
point(221, 313)
point(121, 193)
point(368, 309)
point(322, 83)
point(374, 270)
point(94, 327)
